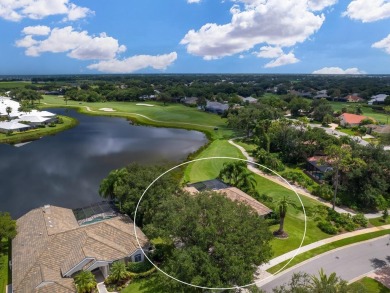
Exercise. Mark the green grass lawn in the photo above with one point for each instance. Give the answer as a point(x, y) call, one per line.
point(379, 221)
point(319, 250)
point(209, 169)
point(7, 85)
point(4, 277)
point(134, 287)
point(248, 146)
point(38, 132)
point(171, 115)
point(373, 286)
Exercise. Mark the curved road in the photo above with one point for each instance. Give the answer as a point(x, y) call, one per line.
point(349, 262)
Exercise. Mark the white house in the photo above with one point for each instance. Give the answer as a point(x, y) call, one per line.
point(6, 126)
point(378, 99)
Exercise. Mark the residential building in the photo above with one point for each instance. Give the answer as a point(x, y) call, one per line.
point(232, 193)
point(7, 126)
point(378, 99)
point(351, 120)
point(216, 107)
point(354, 99)
point(53, 244)
point(316, 167)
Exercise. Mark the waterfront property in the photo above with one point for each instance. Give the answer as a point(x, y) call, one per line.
point(232, 193)
point(53, 244)
point(7, 126)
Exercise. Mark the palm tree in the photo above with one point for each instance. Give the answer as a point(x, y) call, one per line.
point(325, 284)
point(85, 282)
point(9, 111)
point(118, 271)
point(237, 175)
point(282, 206)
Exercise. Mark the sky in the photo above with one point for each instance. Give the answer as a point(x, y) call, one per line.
point(194, 36)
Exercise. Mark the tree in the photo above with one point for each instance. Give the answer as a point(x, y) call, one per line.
point(305, 283)
point(7, 226)
point(85, 282)
point(297, 105)
point(282, 207)
point(341, 160)
point(126, 185)
point(118, 271)
point(9, 111)
point(202, 102)
point(387, 111)
point(237, 174)
point(244, 119)
point(320, 109)
point(385, 214)
point(218, 242)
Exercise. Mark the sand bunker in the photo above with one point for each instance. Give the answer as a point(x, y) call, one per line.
point(148, 105)
point(107, 109)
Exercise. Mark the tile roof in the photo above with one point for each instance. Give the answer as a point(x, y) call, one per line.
point(235, 194)
point(352, 118)
point(50, 242)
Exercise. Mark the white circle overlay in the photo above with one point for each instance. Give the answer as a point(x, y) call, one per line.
point(211, 158)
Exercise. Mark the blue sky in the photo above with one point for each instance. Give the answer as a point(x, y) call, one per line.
point(194, 36)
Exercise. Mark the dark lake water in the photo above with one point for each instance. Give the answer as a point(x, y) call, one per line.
point(66, 169)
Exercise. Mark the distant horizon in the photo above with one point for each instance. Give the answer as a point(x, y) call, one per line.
point(72, 37)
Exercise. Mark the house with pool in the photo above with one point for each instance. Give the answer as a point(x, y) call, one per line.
point(53, 244)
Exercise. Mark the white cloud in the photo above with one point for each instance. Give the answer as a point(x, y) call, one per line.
point(383, 44)
point(338, 70)
point(368, 10)
point(135, 63)
point(318, 5)
point(269, 52)
point(78, 45)
point(283, 59)
point(38, 30)
point(273, 22)
point(193, 1)
point(16, 10)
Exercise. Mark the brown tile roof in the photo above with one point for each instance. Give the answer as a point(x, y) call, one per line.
point(236, 194)
point(50, 242)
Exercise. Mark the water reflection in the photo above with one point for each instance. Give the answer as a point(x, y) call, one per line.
point(66, 169)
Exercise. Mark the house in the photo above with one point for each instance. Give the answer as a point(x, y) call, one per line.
point(250, 100)
point(53, 244)
point(378, 99)
point(189, 101)
point(323, 94)
point(350, 120)
point(232, 193)
point(316, 167)
point(378, 129)
point(216, 107)
point(33, 120)
point(7, 126)
point(354, 99)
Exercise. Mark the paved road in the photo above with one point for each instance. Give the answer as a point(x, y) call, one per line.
point(348, 262)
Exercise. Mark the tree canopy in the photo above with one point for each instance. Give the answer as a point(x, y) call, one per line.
point(218, 242)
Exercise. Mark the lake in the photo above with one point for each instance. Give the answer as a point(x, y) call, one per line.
point(66, 169)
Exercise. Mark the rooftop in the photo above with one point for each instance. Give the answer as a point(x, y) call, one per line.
point(50, 242)
point(352, 118)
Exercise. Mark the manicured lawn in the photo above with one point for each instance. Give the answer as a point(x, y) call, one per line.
point(147, 285)
point(249, 147)
point(5, 85)
point(379, 221)
point(209, 169)
point(38, 132)
point(373, 286)
point(171, 115)
point(314, 252)
point(4, 278)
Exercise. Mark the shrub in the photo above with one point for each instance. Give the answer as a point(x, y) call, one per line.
point(142, 275)
point(139, 267)
point(327, 227)
point(360, 219)
point(324, 191)
point(272, 218)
